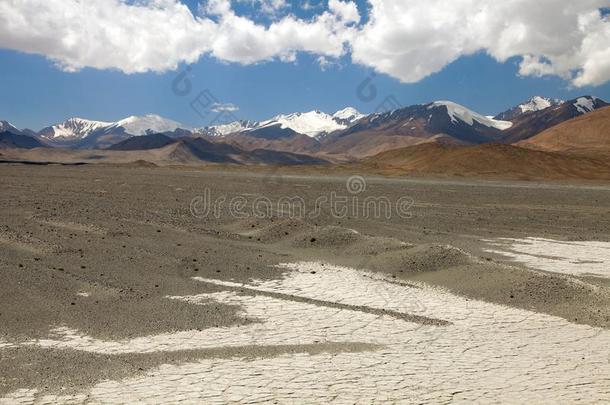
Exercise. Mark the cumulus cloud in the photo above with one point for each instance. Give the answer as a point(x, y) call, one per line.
point(412, 39)
point(406, 39)
point(157, 35)
point(105, 33)
point(239, 39)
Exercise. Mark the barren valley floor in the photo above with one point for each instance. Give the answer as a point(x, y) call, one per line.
point(118, 285)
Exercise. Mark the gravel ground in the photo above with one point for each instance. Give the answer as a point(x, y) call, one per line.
point(96, 252)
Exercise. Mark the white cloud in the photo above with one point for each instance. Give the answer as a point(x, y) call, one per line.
point(239, 39)
point(407, 39)
point(224, 107)
point(412, 39)
point(105, 33)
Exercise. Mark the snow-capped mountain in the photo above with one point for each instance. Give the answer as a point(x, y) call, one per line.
point(349, 115)
point(532, 123)
point(536, 103)
point(415, 124)
point(313, 124)
point(6, 126)
point(226, 129)
point(461, 113)
point(148, 124)
point(587, 104)
point(83, 133)
point(72, 129)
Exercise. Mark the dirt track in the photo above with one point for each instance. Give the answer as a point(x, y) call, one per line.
point(108, 275)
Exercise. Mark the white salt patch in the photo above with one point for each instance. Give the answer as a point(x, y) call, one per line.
point(488, 352)
point(6, 345)
point(576, 258)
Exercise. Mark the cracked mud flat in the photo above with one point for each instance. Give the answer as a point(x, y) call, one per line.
point(475, 351)
point(589, 258)
point(111, 292)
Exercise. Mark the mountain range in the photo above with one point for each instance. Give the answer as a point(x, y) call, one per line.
point(344, 135)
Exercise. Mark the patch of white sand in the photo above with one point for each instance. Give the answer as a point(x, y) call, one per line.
point(487, 353)
point(576, 258)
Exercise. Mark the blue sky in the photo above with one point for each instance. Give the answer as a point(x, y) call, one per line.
point(38, 93)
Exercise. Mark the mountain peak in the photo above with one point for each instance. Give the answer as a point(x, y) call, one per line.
point(312, 123)
point(8, 127)
point(348, 113)
point(538, 103)
point(142, 125)
point(458, 113)
point(586, 104)
point(73, 128)
point(534, 104)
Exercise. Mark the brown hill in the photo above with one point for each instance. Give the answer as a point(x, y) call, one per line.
point(585, 135)
point(292, 142)
point(489, 160)
point(184, 151)
point(528, 125)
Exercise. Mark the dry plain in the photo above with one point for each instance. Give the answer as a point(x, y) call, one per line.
point(118, 285)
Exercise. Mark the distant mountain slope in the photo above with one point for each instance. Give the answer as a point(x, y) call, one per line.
point(82, 133)
point(6, 126)
point(153, 141)
point(189, 150)
point(532, 123)
point(12, 140)
point(442, 120)
point(226, 129)
point(289, 141)
point(71, 129)
point(348, 116)
point(147, 124)
point(588, 134)
point(536, 103)
point(490, 160)
point(313, 124)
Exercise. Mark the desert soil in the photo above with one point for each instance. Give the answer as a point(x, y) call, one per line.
point(117, 286)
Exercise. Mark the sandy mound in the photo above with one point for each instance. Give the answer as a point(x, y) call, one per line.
point(272, 230)
point(420, 259)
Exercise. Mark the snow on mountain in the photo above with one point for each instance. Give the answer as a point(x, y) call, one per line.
point(585, 104)
point(226, 129)
point(151, 123)
point(73, 128)
point(8, 127)
point(461, 113)
point(538, 103)
point(349, 114)
point(311, 123)
point(534, 104)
